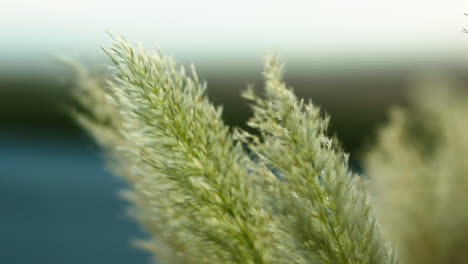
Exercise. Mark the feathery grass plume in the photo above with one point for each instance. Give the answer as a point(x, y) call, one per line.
point(318, 200)
point(199, 195)
point(465, 30)
point(188, 181)
point(103, 120)
point(419, 173)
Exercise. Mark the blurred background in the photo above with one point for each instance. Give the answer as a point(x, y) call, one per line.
point(355, 59)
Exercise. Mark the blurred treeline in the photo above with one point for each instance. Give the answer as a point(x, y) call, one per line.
point(356, 98)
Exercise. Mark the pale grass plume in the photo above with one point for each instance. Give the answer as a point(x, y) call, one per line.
point(200, 196)
point(104, 122)
point(320, 202)
point(465, 30)
point(187, 175)
point(419, 174)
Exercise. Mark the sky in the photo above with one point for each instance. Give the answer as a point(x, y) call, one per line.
point(221, 30)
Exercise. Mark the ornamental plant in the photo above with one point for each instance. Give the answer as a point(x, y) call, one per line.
point(419, 175)
point(207, 193)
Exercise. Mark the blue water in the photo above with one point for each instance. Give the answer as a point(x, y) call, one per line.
point(58, 204)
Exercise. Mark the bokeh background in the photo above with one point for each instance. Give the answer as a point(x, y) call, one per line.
point(354, 58)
